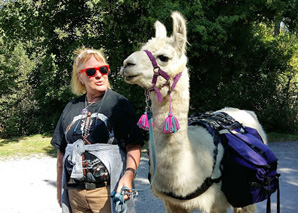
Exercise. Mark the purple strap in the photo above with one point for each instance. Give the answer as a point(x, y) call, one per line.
point(159, 98)
point(154, 79)
point(176, 79)
point(152, 59)
point(155, 66)
point(161, 73)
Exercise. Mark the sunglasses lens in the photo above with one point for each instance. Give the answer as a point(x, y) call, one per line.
point(90, 72)
point(104, 70)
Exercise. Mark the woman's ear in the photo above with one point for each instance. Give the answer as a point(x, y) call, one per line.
point(81, 80)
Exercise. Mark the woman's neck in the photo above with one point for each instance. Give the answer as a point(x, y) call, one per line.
point(93, 98)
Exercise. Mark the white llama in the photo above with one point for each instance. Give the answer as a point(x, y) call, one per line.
point(185, 158)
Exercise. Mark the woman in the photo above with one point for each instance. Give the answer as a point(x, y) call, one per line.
point(97, 139)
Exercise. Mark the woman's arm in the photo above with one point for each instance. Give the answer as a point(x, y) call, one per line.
point(132, 163)
point(60, 156)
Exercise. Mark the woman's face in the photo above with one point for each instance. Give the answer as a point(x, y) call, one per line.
point(97, 84)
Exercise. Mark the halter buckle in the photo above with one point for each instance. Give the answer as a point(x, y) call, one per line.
point(155, 70)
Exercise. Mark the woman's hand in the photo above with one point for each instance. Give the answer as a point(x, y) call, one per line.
point(132, 161)
point(126, 180)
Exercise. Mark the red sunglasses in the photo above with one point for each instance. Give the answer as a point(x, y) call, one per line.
point(91, 71)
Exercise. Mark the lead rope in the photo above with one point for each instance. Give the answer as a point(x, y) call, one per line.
point(118, 198)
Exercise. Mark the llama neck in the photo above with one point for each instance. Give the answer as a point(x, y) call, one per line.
point(179, 104)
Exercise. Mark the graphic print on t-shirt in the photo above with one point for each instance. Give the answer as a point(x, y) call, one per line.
point(99, 129)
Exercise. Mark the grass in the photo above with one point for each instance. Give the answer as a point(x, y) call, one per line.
point(281, 137)
point(39, 145)
point(27, 146)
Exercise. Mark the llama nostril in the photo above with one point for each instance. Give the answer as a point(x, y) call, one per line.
point(128, 63)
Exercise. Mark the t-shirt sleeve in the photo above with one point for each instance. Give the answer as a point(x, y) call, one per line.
point(58, 140)
point(126, 124)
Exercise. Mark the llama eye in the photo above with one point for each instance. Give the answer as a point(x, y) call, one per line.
point(163, 58)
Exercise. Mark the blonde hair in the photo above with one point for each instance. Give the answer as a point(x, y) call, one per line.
point(83, 55)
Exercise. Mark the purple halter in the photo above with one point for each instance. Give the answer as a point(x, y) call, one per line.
point(160, 72)
point(171, 122)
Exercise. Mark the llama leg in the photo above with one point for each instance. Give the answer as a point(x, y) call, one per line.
point(219, 210)
point(171, 208)
point(247, 209)
point(237, 210)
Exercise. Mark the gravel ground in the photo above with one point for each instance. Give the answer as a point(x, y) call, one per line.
point(28, 185)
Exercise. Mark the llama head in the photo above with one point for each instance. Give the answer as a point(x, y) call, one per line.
point(169, 53)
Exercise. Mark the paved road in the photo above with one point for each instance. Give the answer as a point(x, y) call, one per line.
point(28, 185)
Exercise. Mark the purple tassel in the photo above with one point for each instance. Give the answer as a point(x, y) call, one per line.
point(171, 124)
point(143, 122)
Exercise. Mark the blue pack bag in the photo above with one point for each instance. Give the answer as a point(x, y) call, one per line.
point(249, 167)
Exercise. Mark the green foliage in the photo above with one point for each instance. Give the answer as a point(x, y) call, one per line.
point(239, 56)
point(235, 62)
point(16, 104)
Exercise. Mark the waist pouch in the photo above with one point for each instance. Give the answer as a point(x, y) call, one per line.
point(93, 169)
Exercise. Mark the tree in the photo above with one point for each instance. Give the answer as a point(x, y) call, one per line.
point(235, 62)
point(16, 104)
point(234, 57)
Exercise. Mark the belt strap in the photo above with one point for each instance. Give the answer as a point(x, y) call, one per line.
point(86, 185)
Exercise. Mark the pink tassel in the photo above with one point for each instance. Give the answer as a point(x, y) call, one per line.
point(143, 122)
point(171, 124)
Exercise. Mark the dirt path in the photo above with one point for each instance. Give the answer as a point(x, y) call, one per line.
point(28, 185)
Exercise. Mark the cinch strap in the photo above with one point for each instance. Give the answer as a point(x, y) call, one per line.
point(207, 183)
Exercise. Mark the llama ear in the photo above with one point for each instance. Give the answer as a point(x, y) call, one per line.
point(160, 30)
point(179, 32)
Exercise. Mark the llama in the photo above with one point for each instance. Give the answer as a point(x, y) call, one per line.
point(184, 158)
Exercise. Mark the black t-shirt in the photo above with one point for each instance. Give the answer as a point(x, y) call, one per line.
point(113, 120)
